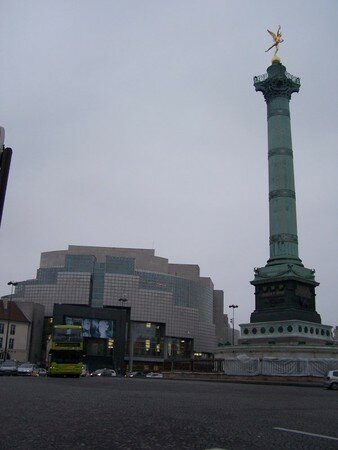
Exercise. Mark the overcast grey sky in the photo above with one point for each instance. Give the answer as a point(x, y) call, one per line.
point(135, 123)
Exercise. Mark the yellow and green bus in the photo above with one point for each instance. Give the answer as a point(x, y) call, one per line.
point(66, 353)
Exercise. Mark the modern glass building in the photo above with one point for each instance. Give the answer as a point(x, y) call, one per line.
point(173, 311)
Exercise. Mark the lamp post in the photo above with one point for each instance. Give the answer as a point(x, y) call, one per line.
point(233, 322)
point(12, 284)
point(123, 300)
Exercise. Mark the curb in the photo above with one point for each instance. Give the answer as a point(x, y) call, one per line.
point(318, 384)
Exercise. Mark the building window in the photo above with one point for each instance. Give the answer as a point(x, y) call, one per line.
point(11, 343)
point(0, 342)
point(148, 339)
point(179, 347)
point(12, 330)
point(147, 345)
point(1, 328)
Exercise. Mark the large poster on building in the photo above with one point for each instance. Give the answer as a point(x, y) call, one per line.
point(94, 328)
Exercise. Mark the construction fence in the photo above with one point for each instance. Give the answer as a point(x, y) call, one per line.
point(244, 365)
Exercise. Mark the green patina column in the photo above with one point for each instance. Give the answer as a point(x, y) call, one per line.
point(284, 288)
point(277, 86)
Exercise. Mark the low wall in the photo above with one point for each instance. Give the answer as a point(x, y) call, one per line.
point(253, 379)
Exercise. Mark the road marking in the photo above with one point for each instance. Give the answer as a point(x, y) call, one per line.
point(308, 434)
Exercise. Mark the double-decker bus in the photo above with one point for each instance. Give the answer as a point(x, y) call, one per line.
point(66, 353)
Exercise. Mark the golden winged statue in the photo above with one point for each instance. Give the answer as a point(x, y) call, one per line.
point(277, 38)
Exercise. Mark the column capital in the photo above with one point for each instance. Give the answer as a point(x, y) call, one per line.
point(277, 82)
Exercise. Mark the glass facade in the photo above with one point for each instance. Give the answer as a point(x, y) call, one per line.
point(188, 293)
point(98, 347)
point(147, 339)
point(179, 348)
point(79, 263)
point(120, 265)
point(47, 276)
point(98, 283)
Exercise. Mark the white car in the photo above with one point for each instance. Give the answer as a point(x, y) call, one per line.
point(26, 369)
point(154, 375)
point(85, 371)
point(331, 381)
point(40, 372)
point(9, 368)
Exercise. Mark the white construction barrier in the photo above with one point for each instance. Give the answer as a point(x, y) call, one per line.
point(244, 365)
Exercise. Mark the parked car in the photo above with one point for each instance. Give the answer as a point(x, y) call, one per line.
point(9, 368)
point(40, 372)
point(85, 371)
point(26, 369)
point(135, 375)
point(331, 381)
point(154, 375)
point(104, 373)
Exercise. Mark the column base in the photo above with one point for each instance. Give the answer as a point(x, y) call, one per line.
point(284, 292)
point(291, 332)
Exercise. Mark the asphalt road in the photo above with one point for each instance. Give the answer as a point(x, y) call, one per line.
point(118, 413)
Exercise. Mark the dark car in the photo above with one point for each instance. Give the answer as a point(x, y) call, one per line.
point(104, 373)
point(135, 375)
point(9, 368)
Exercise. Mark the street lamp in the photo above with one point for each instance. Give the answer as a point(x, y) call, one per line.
point(233, 322)
point(12, 284)
point(123, 300)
